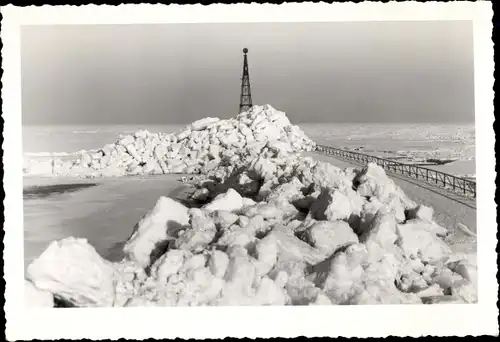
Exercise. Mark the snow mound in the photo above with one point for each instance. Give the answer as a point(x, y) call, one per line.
point(156, 228)
point(199, 147)
point(72, 270)
point(270, 228)
point(266, 252)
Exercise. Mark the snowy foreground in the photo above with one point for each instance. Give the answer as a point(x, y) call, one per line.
point(267, 227)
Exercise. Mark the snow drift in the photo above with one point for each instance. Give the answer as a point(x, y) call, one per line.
point(198, 148)
point(267, 227)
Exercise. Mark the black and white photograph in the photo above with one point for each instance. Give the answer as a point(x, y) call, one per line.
point(242, 164)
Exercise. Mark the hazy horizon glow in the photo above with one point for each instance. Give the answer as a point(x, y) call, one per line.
point(348, 72)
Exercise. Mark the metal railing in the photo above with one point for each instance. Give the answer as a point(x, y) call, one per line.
point(456, 184)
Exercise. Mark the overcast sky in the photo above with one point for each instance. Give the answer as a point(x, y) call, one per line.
point(316, 72)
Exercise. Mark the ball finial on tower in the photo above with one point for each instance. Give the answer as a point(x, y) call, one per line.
point(245, 50)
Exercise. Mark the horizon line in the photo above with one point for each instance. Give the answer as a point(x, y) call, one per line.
point(293, 123)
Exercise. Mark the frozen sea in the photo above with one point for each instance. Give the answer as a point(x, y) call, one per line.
point(397, 141)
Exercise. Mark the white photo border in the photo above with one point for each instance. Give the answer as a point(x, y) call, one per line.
point(252, 322)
